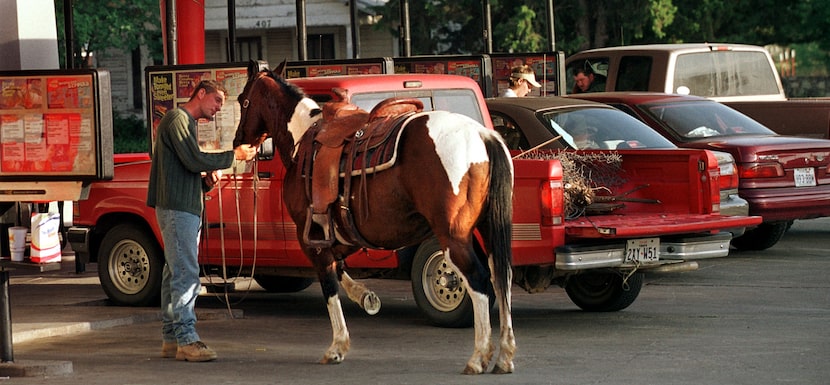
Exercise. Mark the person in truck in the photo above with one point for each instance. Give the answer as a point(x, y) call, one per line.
point(180, 173)
point(520, 80)
point(586, 80)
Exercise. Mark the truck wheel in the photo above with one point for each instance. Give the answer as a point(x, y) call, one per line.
point(602, 292)
point(130, 264)
point(282, 284)
point(438, 290)
point(766, 235)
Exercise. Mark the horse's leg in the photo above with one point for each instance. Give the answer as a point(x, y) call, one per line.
point(360, 294)
point(328, 276)
point(463, 260)
point(507, 341)
point(483, 351)
point(340, 339)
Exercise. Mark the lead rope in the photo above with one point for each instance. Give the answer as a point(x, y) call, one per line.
point(222, 248)
point(239, 233)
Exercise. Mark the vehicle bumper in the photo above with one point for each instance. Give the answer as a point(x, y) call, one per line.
point(786, 204)
point(78, 238)
point(733, 205)
point(672, 250)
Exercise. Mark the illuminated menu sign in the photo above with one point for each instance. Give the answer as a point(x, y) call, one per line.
point(55, 125)
point(476, 67)
point(315, 68)
point(170, 86)
point(546, 67)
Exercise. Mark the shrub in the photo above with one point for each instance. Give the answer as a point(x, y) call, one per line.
point(129, 134)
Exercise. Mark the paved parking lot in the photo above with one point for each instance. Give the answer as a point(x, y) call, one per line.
point(751, 318)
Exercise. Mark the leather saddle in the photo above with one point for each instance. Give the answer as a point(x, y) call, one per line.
point(347, 142)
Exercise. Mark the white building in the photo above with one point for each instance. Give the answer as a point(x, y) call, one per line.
point(267, 29)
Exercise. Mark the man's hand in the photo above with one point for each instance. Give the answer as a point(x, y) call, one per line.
point(244, 152)
point(212, 178)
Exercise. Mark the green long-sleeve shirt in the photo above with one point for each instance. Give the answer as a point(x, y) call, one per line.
point(175, 175)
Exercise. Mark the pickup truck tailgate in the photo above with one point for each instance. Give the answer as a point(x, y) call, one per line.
point(649, 224)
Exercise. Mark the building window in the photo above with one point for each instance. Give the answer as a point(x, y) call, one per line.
point(321, 46)
point(249, 48)
point(138, 96)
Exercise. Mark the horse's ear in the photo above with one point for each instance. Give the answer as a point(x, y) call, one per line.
point(280, 70)
point(253, 68)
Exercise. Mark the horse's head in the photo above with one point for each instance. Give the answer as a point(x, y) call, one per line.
point(270, 106)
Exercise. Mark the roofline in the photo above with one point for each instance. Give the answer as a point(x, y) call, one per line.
point(676, 47)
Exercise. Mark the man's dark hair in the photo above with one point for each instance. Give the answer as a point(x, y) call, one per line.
point(209, 86)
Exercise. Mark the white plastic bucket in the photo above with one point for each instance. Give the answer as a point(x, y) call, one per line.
point(17, 242)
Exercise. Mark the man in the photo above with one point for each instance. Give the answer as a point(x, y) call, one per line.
point(586, 81)
point(521, 79)
point(175, 191)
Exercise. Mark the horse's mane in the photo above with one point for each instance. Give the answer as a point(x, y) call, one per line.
point(291, 90)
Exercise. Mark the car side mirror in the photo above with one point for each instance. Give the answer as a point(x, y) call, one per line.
point(266, 150)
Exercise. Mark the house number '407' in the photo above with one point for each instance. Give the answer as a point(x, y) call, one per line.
point(263, 24)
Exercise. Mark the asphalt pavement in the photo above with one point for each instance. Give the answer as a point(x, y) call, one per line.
point(750, 318)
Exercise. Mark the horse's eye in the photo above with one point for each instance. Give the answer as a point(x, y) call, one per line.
point(246, 103)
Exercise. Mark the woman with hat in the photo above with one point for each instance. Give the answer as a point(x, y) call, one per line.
point(521, 79)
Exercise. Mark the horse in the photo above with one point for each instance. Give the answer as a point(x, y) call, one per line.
point(452, 177)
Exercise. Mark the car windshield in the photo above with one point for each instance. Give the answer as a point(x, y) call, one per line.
point(705, 119)
point(601, 128)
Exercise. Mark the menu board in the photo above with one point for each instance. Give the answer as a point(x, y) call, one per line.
point(546, 67)
point(55, 125)
point(170, 86)
point(315, 68)
point(476, 67)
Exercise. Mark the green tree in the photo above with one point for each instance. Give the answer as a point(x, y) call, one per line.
point(456, 27)
point(516, 28)
point(99, 25)
point(437, 26)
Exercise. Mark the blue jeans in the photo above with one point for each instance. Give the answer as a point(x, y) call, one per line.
point(180, 282)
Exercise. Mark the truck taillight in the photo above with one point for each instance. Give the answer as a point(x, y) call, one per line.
point(553, 200)
point(761, 170)
point(728, 176)
point(712, 171)
point(76, 209)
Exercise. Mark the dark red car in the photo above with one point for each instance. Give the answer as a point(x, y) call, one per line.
point(783, 178)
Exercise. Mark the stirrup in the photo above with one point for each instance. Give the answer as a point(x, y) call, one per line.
point(323, 221)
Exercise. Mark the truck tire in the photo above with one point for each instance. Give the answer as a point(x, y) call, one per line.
point(438, 290)
point(603, 292)
point(130, 263)
point(282, 284)
point(766, 235)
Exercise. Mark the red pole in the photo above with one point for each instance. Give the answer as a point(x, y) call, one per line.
point(190, 23)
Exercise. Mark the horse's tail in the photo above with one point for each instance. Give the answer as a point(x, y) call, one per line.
point(499, 214)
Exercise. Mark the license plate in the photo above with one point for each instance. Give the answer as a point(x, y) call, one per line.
point(805, 177)
point(642, 250)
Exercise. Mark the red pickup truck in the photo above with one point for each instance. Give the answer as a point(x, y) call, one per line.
point(597, 258)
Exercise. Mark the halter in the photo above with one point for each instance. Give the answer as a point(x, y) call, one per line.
point(247, 101)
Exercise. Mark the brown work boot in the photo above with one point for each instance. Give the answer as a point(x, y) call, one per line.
point(169, 349)
point(195, 352)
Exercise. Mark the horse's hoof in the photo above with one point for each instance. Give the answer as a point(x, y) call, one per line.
point(331, 359)
point(469, 369)
point(498, 369)
point(371, 303)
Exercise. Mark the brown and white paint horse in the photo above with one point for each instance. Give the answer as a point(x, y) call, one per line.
point(452, 176)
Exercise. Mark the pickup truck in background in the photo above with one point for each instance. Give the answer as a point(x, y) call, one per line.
point(671, 219)
point(743, 77)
